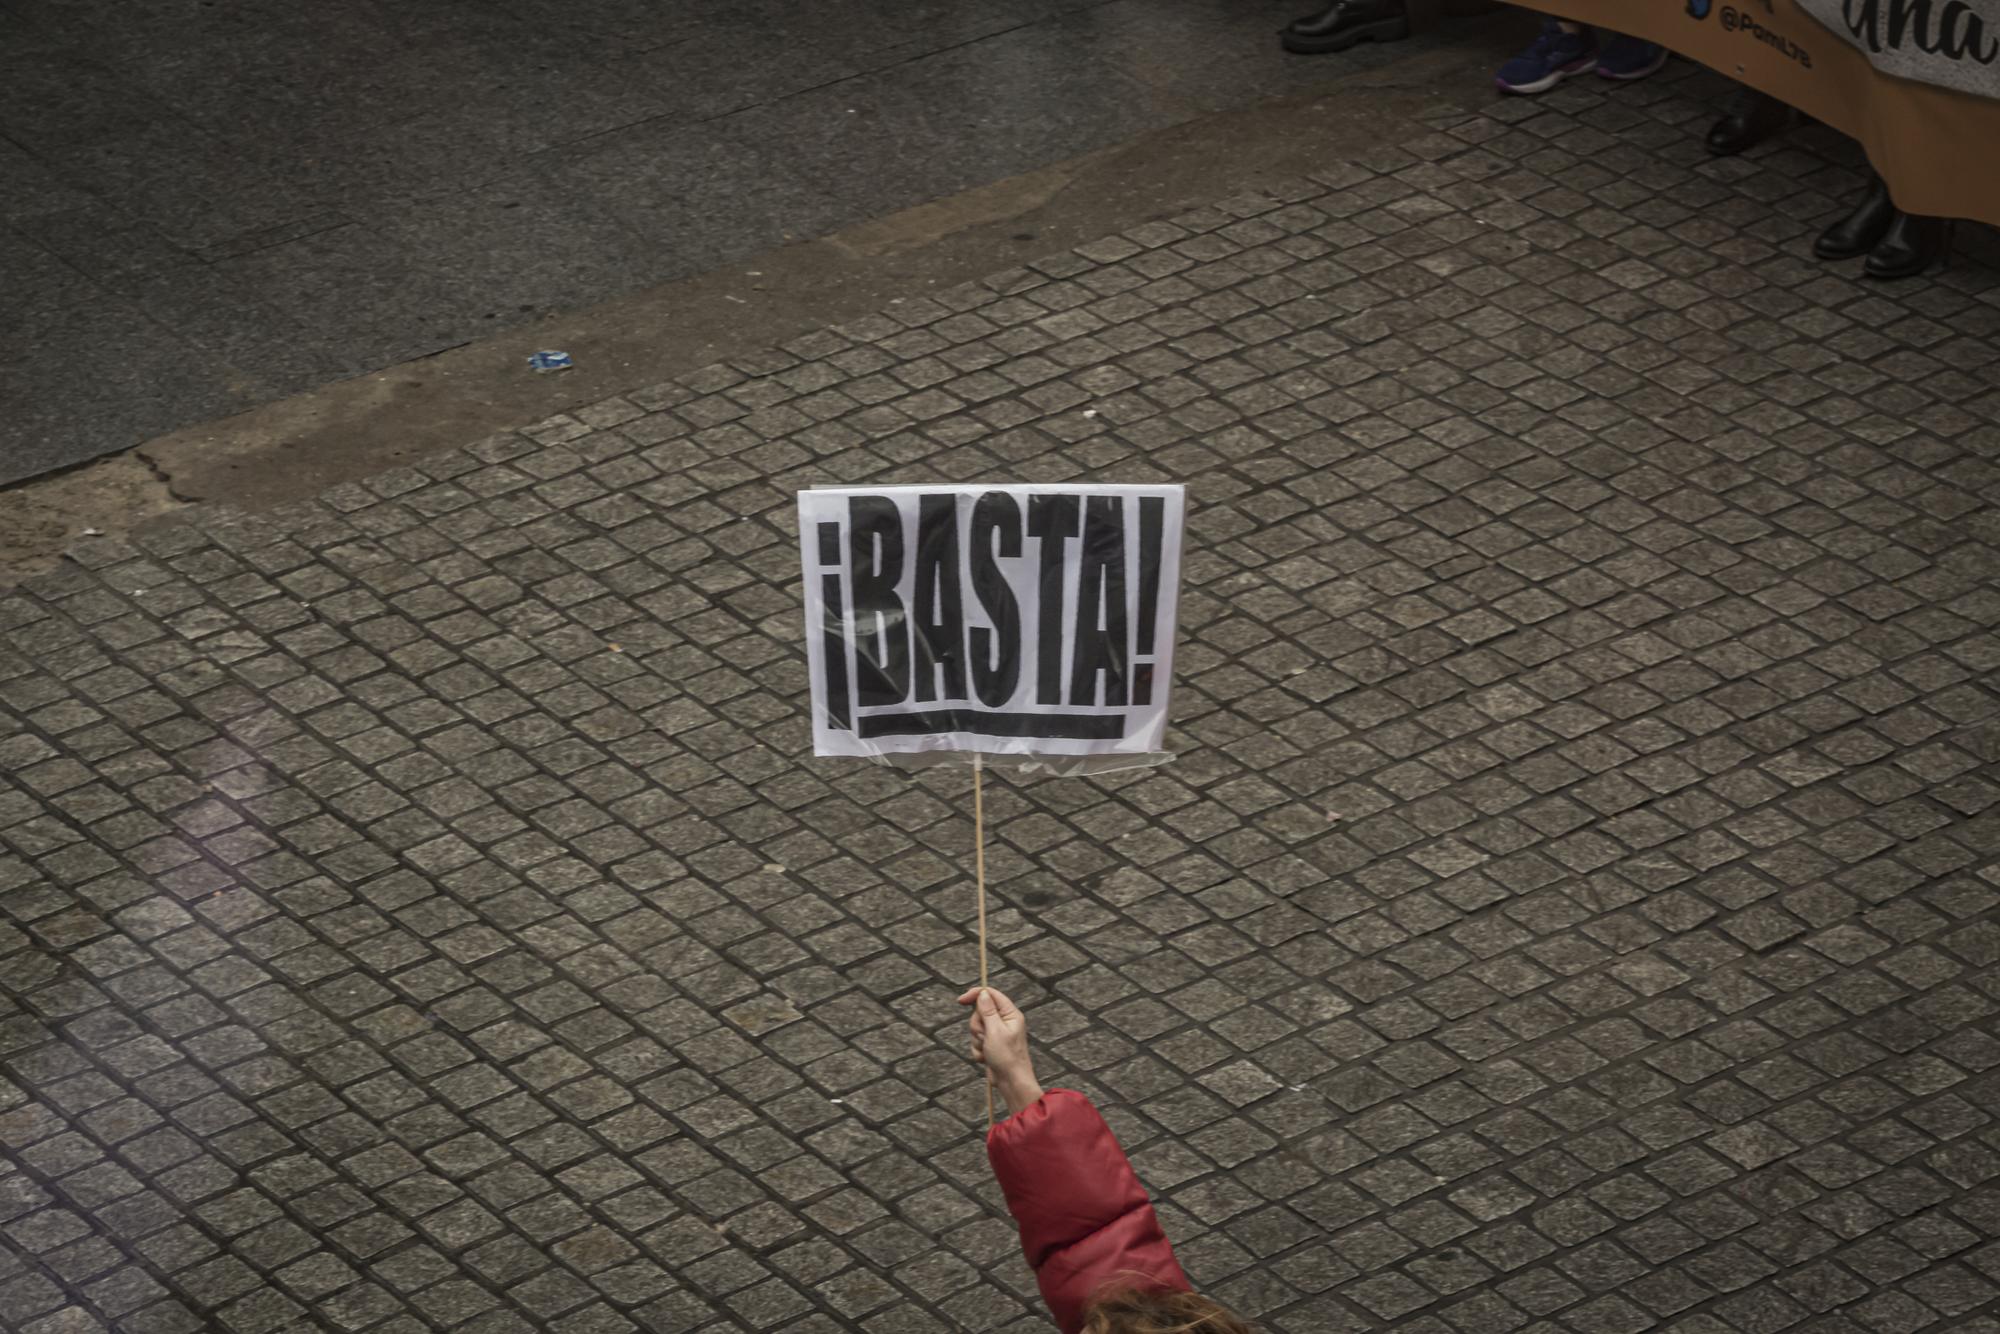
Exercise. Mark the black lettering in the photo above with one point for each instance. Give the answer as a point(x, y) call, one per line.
point(933, 722)
point(1964, 34)
point(1864, 20)
point(834, 647)
point(1901, 17)
point(1152, 523)
point(940, 629)
point(875, 566)
point(1101, 640)
point(833, 628)
point(1053, 519)
point(996, 519)
point(1959, 33)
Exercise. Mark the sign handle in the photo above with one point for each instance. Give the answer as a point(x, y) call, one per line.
point(979, 863)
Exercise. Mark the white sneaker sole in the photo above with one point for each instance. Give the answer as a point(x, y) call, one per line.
point(1659, 63)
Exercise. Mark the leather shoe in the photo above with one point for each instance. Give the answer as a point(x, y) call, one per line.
point(1858, 232)
point(1345, 22)
point(1911, 245)
point(1748, 119)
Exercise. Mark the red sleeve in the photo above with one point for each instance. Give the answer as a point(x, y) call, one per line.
point(1085, 1220)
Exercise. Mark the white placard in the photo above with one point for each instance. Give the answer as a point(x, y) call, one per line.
point(1008, 620)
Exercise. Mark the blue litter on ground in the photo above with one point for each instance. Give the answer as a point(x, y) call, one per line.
point(551, 361)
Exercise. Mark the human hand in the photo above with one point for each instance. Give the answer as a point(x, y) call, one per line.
point(1000, 1043)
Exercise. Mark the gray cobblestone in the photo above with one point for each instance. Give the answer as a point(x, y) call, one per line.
point(1573, 908)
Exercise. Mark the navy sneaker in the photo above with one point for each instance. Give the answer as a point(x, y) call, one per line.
point(1554, 56)
point(1627, 58)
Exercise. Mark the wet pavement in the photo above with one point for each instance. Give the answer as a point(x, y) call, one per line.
point(209, 207)
point(1573, 906)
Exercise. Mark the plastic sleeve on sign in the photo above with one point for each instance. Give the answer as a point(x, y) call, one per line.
point(1032, 625)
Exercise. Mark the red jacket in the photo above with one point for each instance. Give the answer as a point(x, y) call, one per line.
point(1085, 1220)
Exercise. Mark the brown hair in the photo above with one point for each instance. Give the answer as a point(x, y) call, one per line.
point(1135, 1311)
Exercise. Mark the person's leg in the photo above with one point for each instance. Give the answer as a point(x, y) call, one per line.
point(1912, 244)
point(1627, 58)
point(1860, 231)
point(1343, 23)
point(1748, 119)
point(1897, 244)
point(1560, 50)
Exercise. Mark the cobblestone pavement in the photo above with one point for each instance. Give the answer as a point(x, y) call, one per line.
point(1573, 907)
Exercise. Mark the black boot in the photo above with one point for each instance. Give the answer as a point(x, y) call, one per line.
point(1345, 22)
point(1912, 244)
point(1748, 119)
point(1857, 233)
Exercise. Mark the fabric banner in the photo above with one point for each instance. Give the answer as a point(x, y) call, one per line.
point(1007, 620)
point(1933, 142)
point(1952, 43)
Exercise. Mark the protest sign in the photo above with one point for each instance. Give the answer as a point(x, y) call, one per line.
point(1019, 621)
point(1034, 623)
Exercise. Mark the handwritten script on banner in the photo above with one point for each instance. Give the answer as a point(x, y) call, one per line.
point(1010, 620)
point(1951, 43)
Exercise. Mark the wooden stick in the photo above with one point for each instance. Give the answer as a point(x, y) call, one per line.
point(979, 863)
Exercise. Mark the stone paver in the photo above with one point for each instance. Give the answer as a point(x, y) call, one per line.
point(1573, 908)
point(210, 207)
